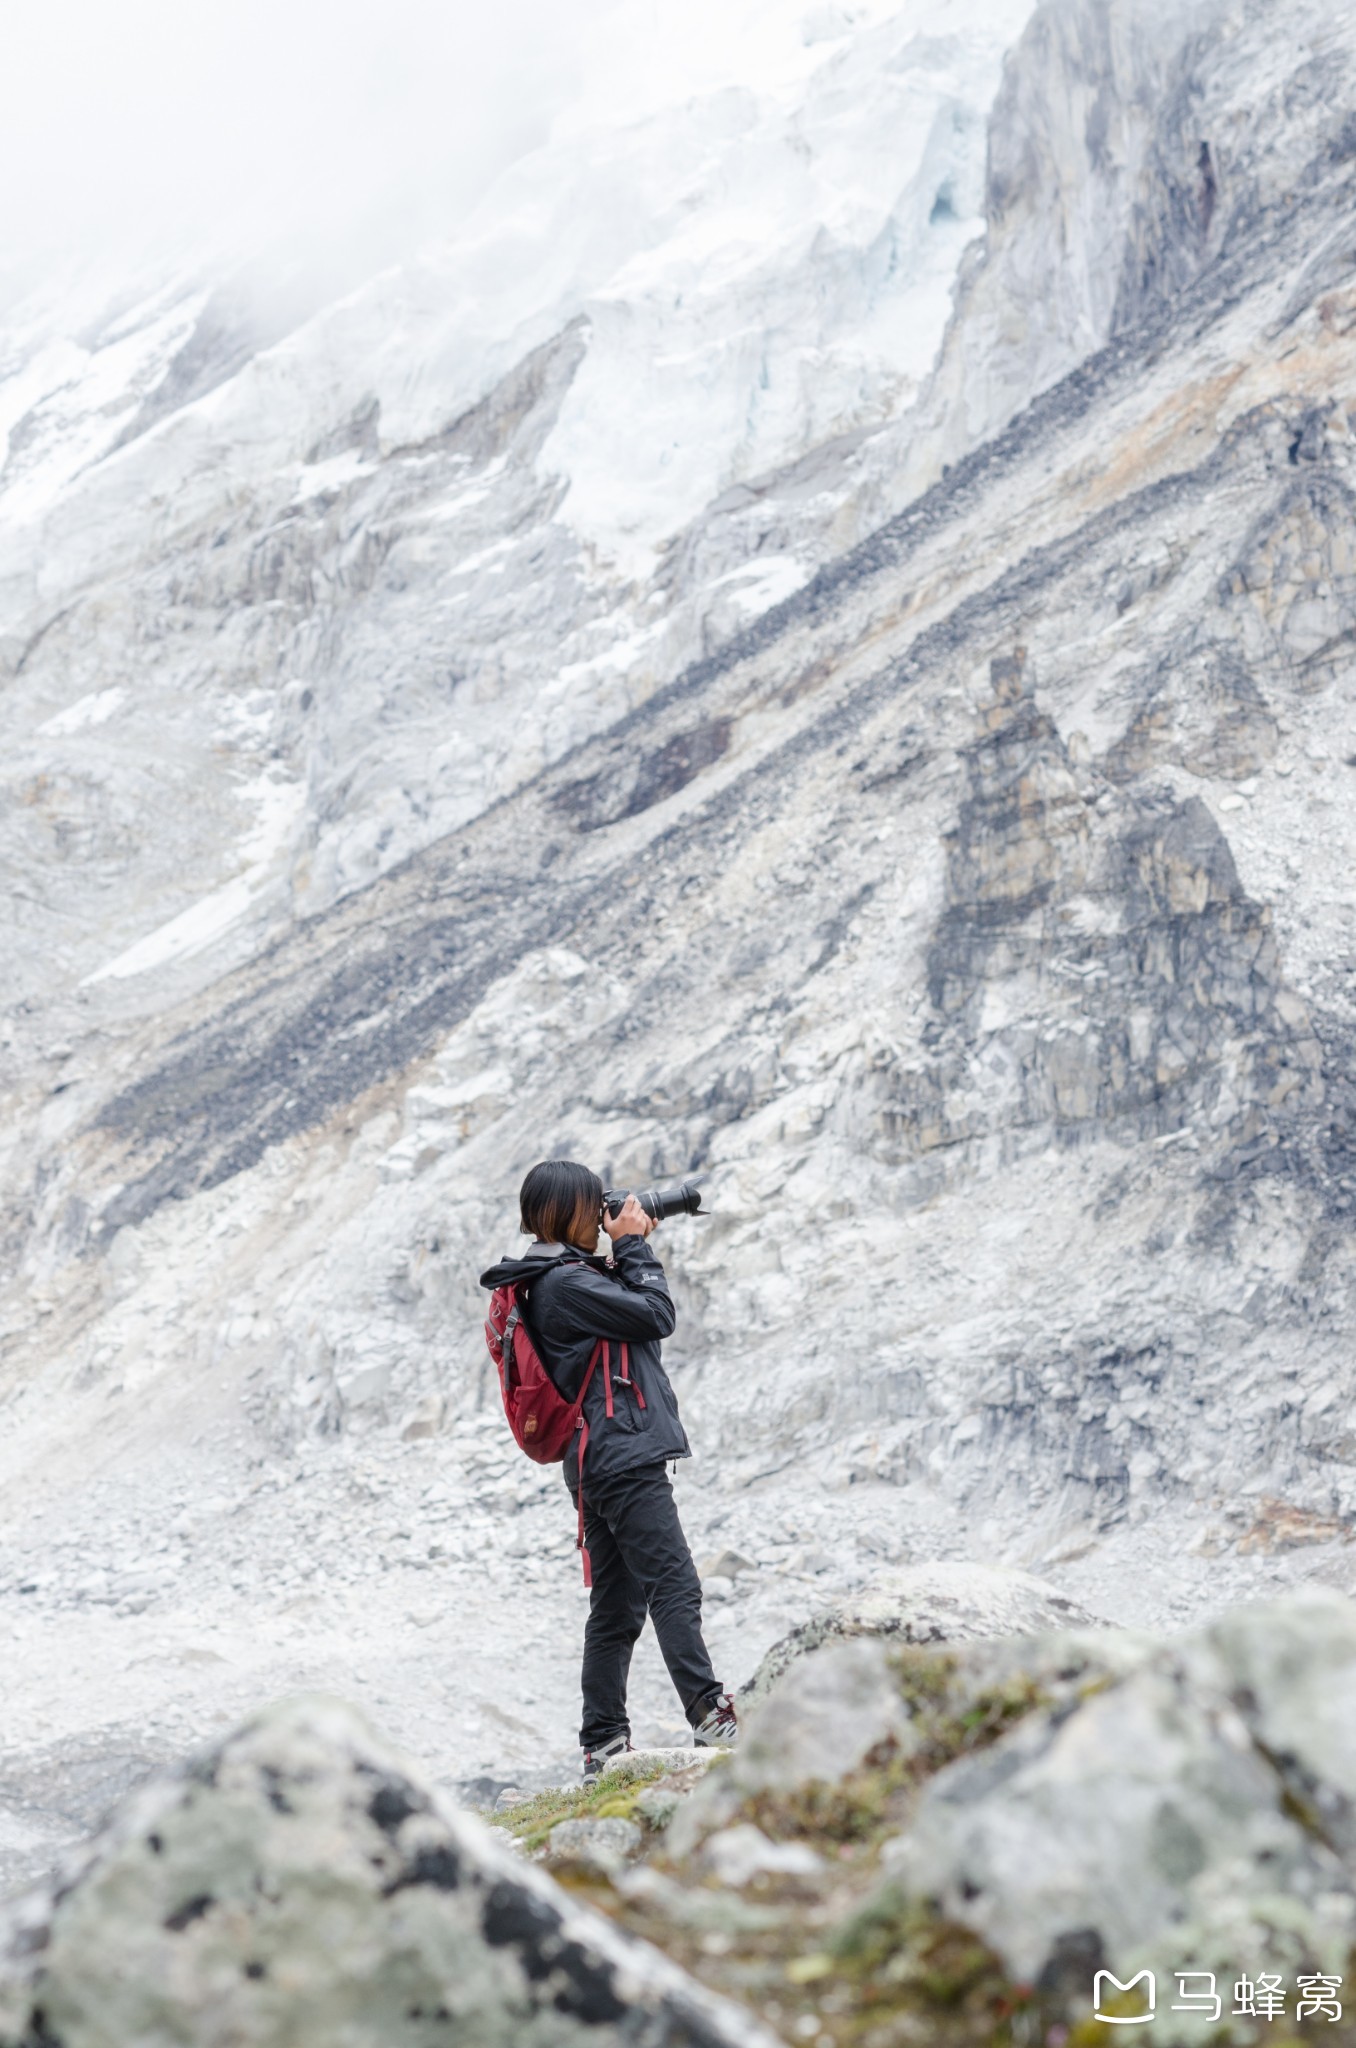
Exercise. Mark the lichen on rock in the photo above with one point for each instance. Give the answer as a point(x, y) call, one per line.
point(301, 1885)
point(925, 1603)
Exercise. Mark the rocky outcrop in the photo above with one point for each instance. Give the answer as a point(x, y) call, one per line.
point(827, 1714)
point(910, 1838)
point(1033, 1812)
point(936, 1603)
point(1191, 1815)
point(300, 1883)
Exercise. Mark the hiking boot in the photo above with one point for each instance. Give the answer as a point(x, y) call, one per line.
point(720, 1729)
point(596, 1759)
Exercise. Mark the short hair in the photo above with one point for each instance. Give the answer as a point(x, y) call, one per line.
point(554, 1195)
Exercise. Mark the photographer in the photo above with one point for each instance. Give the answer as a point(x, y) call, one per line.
point(641, 1563)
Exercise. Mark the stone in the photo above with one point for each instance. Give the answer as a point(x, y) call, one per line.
point(657, 1804)
point(828, 1712)
point(606, 1843)
point(641, 1763)
point(1286, 1525)
point(736, 1856)
point(725, 1564)
point(934, 1603)
point(827, 1715)
point(1291, 1667)
point(1190, 1808)
point(424, 1421)
point(302, 1884)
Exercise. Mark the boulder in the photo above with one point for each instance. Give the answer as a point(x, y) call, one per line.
point(828, 1713)
point(928, 1603)
point(302, 1885)
point(605, 1843)
point(827, 1716)
point(1189, 1810)
point(735, 1856)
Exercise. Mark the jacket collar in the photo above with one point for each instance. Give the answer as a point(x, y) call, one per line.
point(541, 1249)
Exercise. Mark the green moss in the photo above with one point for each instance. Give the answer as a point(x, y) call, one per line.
point(952, 1721)
point(900, 1961)
point(532, 1821)
point(859, 1809)
point(871, 1802)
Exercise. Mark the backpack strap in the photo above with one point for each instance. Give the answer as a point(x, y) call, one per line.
point(582, 1426)
point(506, 1345)
point(626, 1378)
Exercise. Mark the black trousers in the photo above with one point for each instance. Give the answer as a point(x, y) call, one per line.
point(641, 1564)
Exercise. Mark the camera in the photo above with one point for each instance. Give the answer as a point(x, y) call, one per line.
point(680, 1198)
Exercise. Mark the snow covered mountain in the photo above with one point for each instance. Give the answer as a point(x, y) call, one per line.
point(812, 639)
point(486, 502)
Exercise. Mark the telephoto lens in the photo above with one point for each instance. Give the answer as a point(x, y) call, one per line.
point(680, 1198)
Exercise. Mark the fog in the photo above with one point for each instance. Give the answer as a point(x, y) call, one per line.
point(132, 127)
point(345, 130)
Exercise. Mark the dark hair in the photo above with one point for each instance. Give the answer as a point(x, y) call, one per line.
point(556, 1195)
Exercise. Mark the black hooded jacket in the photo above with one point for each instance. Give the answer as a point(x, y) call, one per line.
point(570, 1300)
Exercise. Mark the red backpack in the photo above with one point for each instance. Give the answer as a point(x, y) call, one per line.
point(543, 1422)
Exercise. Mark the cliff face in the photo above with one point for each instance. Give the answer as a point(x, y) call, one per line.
point(977, 917)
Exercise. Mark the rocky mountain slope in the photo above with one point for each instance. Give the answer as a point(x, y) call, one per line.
point(977, 916)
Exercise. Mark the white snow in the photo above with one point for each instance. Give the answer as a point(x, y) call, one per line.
point(279, 802)
point(756, 586)
point(66, 404)
point(93, 709)
point(193, 929)
point(319, 477)
point(785, 278)
point(760, 226)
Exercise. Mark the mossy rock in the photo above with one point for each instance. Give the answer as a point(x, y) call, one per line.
point(531, 1821)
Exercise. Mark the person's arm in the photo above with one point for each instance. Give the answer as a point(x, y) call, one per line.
point(594, 1305)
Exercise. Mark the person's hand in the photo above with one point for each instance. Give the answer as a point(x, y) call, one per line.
point(630, 1220)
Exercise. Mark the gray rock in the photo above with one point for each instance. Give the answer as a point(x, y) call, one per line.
point(607, 1843)
point(638, 1763)
point(933, 1603)
point(1291, 1669)
point(827, 1715)
point(725, 1564)
point(1194, 1811)
point(300, 1885)
point(658, 1804)
point(735, 1856)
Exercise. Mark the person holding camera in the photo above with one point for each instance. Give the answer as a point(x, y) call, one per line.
point(577, 1305)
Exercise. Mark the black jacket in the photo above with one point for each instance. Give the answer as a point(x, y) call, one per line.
point(570, 1300)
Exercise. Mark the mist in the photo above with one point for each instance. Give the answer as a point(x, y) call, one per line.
point(142, 128)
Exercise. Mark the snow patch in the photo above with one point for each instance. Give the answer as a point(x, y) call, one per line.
point(280, 805)
point(331, 475)
point(756, 586)
point(94, 709)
